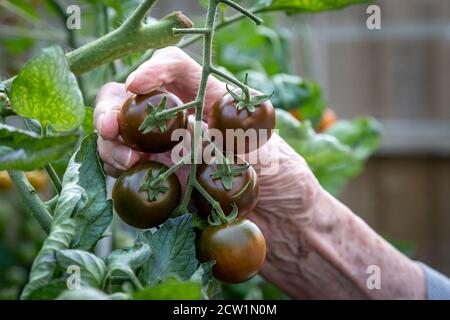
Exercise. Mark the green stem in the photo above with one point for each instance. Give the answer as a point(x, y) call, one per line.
point(54, 177)
point(126, 40)
point(170, 171)
point(208, 33)
point(234, 81)
point(241, 9)
point(234, 18)
point(31, 200)
point(214, 204)
point(169, 112)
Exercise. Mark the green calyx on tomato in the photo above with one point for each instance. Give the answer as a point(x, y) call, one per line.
point(238, 247)
point(227, 171)
point(153, 186)
point(142, 129)
point(151, 120)
point(248, 102)
point(132, 203)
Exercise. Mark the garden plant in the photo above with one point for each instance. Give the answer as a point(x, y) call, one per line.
point(192, 243)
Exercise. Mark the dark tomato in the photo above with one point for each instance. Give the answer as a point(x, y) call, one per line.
point(132, 204)
point(239, 249)
point(224, 115)
point(133, 114)
point(244, 192)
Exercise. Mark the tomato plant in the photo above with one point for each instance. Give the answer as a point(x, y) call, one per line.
point(51, 95)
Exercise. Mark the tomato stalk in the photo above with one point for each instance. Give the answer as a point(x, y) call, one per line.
point(207, 32)
point(170, 171)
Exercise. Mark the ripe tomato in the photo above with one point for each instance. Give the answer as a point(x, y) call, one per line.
point(238, 247)
point(133, 113)
point(224, 115)
point(328, 119)
point(244, 192)
point(132, 203)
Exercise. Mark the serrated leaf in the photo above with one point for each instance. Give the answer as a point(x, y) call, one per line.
point(22, 150)
point(81, 205)
point(92, 268)
point(171, 289)
point(47, 91)
point(49, 291)
point(128, 260)
point(211, 289)
point(173, 250)
point(95, 218)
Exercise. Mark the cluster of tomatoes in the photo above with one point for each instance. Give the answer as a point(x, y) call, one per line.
point(145, 197)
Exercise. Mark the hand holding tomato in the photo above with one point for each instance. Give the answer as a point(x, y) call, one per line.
point(286, 195)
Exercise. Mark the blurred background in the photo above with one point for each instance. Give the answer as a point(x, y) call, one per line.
point(399, 75)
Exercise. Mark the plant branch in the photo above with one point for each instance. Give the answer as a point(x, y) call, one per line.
point(31, 200)
point(135, 20)
point(170, 171)
point(123, 41)
point(178, 31)
point(244, 11)
point(54, 177)
point(167, 113)
point(232, 80)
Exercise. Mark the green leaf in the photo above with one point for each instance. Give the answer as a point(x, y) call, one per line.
point(291, 92)
point(173, 250)
point(331, 161)
point(211, 288)
point(363, 135)
point(128, 260)
point(87, 170)
point(47, 91)
point(81, 215)
point(49, 291)
point(22, 150)
point(88, 122)
point(260, 48)
point(296, 6)
point(92, 268)
point(171, 289)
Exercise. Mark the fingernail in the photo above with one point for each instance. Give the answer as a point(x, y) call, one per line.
point(100, 123)
point(122, 158)
point(130, 153)
point(130, 79)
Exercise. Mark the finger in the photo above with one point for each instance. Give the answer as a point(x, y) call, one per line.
point(108, 104)
point(117, 154)
point(164, 67)
point(112, 171)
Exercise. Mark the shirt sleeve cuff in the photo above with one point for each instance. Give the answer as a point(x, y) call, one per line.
point(438, 285)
